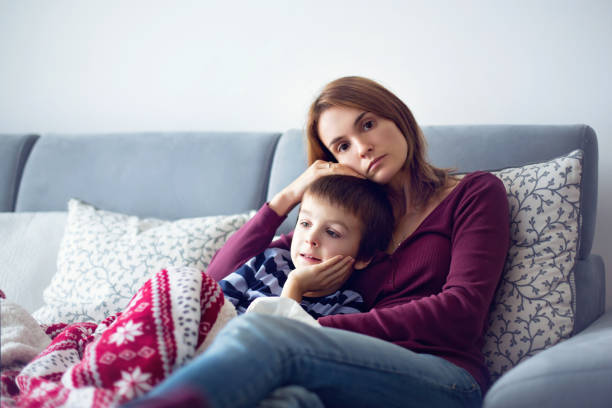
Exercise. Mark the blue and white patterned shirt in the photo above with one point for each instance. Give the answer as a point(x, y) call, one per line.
point(264, 276)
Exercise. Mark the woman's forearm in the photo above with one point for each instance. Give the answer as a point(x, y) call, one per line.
point(251, 239)
point(283, 202)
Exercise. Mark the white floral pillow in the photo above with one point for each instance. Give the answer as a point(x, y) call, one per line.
point(534, 304)
point(105, 257)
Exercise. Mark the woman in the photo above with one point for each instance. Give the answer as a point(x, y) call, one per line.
point(428, 296)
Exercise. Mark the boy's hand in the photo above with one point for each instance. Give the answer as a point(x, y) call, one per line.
point(318, 280)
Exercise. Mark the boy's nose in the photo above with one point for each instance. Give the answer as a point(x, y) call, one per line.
point(313, 241)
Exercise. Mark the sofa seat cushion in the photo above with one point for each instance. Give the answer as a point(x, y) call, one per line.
point(575, 373)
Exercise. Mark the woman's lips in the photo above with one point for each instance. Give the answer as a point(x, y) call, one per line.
point(375, 162)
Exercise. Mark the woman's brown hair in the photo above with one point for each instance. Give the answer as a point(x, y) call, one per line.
point(367, 95)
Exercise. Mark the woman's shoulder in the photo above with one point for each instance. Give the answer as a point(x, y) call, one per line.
point(479, 176)
point(480, 179)
point(483, 185)
point(480, 184)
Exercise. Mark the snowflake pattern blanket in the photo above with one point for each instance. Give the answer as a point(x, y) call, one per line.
point(107, 364)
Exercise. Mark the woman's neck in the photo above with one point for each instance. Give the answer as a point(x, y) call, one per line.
point(408, 217)
point(400, 193)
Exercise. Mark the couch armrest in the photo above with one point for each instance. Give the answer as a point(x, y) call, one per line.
point(14, 151)
point(574, 373)
point(590, 278)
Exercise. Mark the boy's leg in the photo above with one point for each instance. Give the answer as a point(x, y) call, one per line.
point(256, 354)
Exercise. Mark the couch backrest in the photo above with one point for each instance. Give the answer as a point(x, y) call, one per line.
point(165, 175)
point(469, 148)
point(174, 175)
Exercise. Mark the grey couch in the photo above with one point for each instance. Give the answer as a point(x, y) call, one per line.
point(178, 175)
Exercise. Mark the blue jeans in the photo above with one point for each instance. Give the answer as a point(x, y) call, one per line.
point(257, 354)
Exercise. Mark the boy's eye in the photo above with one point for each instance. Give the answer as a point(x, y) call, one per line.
point(333, 233)
point(304, 224)
point(367, 125)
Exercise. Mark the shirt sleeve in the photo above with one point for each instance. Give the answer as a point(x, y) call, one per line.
point(252, 239)
point(236, 294)
point(457, 315)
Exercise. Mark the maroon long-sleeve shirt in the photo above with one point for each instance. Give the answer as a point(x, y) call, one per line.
point(432, 295)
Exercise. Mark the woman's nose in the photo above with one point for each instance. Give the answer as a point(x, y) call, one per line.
point(365, 149)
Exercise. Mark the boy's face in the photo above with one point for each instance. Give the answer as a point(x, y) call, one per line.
point(324, 231)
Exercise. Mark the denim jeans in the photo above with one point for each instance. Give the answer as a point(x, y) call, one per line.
point(257, 354)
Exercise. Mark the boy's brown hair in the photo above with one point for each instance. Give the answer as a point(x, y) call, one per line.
point(364, 199)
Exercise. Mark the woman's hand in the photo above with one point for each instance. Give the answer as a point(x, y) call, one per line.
point(291, 195)
point(318, 280)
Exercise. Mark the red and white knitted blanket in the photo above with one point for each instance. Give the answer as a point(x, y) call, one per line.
point(127, 354)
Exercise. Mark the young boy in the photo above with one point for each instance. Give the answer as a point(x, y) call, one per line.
point(341, 218)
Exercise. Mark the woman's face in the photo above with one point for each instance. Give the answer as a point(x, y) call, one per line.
point(369, 144)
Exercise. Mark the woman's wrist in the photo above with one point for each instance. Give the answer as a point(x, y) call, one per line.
point(283, 202)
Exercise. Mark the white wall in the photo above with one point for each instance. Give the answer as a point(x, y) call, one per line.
point(89, 66)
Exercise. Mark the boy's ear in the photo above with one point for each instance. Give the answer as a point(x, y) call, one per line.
point(361, 264)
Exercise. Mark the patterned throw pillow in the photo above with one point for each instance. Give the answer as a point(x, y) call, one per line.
point(105, 257)
point(534, 305)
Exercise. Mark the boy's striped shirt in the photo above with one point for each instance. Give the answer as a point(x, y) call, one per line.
point(264, 276)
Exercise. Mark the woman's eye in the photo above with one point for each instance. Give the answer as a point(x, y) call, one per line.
point(343, 147)
point(333, 234)
point(368, 125)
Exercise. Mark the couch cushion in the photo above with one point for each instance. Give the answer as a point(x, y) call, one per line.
point(163, 175)
point(105, 257)
point(534, 307)
point(492, 147)
point(289, 162)
point(28, 249)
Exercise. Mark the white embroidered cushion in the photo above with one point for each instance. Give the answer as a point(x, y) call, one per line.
point(104, 257)
point(534, 305)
